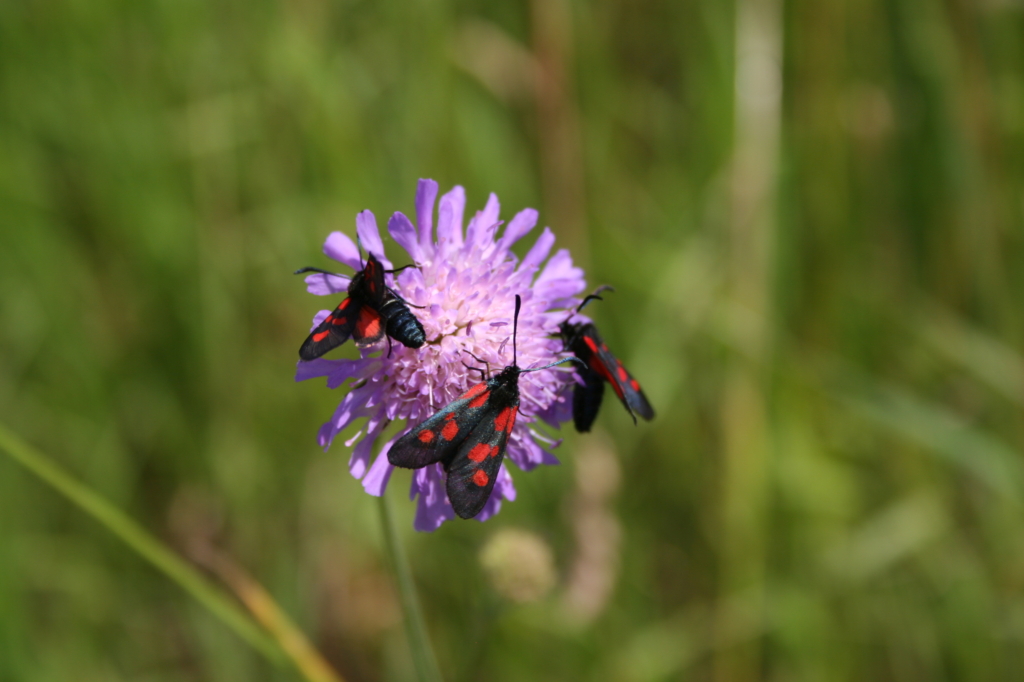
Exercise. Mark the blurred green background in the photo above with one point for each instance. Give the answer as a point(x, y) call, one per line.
point(812, 212)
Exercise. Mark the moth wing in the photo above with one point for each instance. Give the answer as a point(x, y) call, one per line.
point(335, 330)
point(586, 399)
point(625, 386)
point(369, 327)
point(474, 469)
point(438, 437)
point(371, 286)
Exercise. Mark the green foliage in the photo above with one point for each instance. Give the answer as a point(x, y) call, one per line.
point(832, 487)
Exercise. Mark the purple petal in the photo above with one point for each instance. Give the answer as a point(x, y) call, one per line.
point(525, 452)
point(546, 440)
point(539, 251)
point(524, 221)
point(404, 234)
point(559, 411)
point(351, 369)
point(326, 285)
point(560, 279)
point(449, 218)
point(349, 409)
point(361, 456)
point(483, 221)
point(426, 194)
point(508, 488)
point(412, 285)
point(559, 267)
point(336, 371)
point(560, 292)
point(432, 508)
point(380, 473)
point(318, 318)
point(321, 367)
point(369, 237)
point(548, 459)
point(340, 247)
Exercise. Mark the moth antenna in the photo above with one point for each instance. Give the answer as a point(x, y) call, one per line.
point(571, 358)
point(515, 326)
point(312, 269)
point(595, 296)
point(483, 373)
point(473, 355)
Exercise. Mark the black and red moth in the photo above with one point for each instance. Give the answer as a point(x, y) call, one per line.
point(468, 436)
point(371, 310)
point(601, 366)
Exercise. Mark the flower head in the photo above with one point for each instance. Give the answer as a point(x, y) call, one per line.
point(465, 284)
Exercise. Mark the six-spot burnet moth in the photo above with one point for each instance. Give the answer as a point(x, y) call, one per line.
point(601, 366)
point(371, 310)
point(469, 435)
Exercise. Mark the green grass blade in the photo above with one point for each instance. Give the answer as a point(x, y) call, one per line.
point(985, 356)
point(943, 433)
point(188, 578)
point(415, 627)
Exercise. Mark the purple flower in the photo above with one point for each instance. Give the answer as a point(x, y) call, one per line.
point(466, 283)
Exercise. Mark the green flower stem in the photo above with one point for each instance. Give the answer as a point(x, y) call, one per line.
point(415, 628)
point(191, 580)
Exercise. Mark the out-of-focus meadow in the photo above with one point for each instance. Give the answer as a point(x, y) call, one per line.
point(812, 213)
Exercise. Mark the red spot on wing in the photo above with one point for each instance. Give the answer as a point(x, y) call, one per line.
point(368, 325)
point(479, 400)
point(370, 271)
point(338, 320)
point(426, 435)
point(481, 478)
point(479, 452)
point(600, 368)
point(450, 430)
point(473, 391)
point(635, 384)
point(617, 388)
point(344, 304)
point(590, 344)
point(320, 336)
point(623, 374)
point(505, 420)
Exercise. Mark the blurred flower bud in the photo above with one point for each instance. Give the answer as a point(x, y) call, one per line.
point(519, 565)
